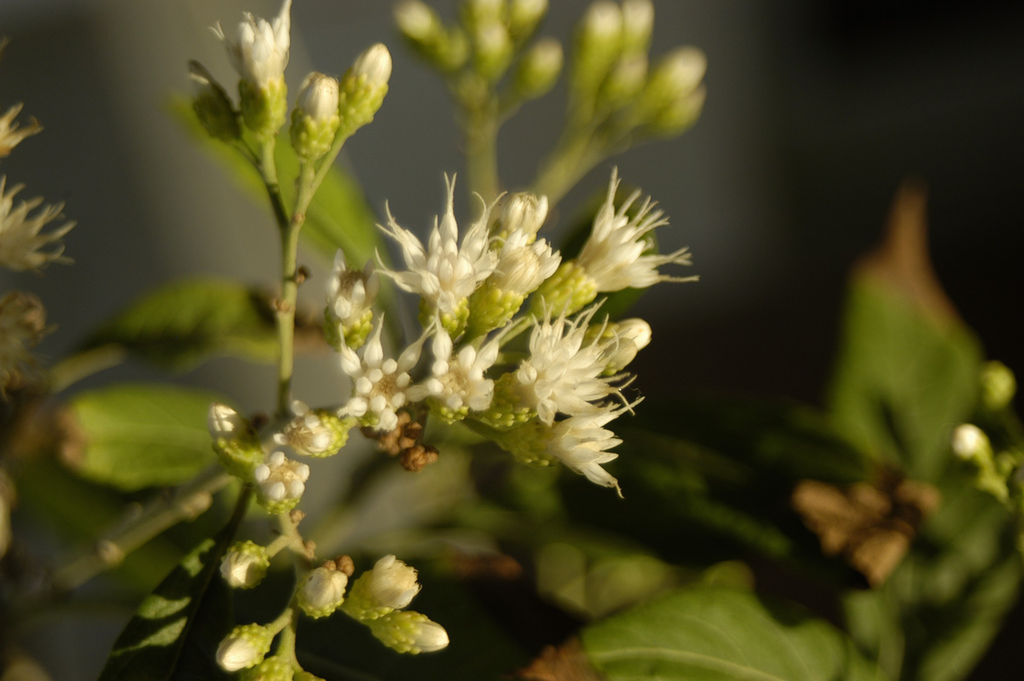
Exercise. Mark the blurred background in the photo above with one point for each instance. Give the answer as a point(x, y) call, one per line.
point(816, 110)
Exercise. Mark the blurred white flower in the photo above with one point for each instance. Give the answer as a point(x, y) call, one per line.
point(11, 134)
point(21, 240)
point(258, 49)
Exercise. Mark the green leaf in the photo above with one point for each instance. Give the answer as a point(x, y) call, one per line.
point(339, 216)
point(177, 628)
point(719, 634)
point(135, 436)
point(904, 379)
point(180, 324)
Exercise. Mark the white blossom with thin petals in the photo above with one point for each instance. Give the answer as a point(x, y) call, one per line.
point(613, 254)
point(380, 385)
point(582, 442)
point(21, 240)
point(11, 134)
point(564, 370)
point(258, 49)
point(445, 272)
point(458, 381)
point(350, 293)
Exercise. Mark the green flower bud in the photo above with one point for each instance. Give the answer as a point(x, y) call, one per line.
point(524, 16)
point(245, 646)
point(271, 669)
point(624, 82)
point(971, 444)
point(528, 443)
point(637, 24)
point(568, 290)
point(422, 27)
point(998, 385)
point(492, 51)
point(538, 69)
point(477, 12)
point(390, 585)
point(598, 45)
point(315, 119)
point(673, 97)
point(264, 108)
point(409, 632)
point(212, 105)
point(363, 88)
point(245, 564)
point(506, 410)
point(234, 441)
point(491, 307)
point(453, 322)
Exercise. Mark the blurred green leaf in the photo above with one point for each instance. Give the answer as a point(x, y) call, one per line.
point(339, 216)
point(707, 633)
point(177, 628)
point(180, 324)
point(903, 379)
point(135, 436)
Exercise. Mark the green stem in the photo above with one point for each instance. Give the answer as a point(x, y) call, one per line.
point(81, 365)
point(187, 503)
point(268, 171)
point(481, 131)
point(573, 159)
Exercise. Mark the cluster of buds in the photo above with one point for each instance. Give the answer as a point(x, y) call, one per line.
point(478, 294)
point(611, 84)
point(327, 110)
point(490, 38)
point(279, 480)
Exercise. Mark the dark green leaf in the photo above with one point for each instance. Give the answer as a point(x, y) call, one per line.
point(339, 216)
point(180, 324)
point(718, 634)
point(904, 379)
point(134, 436)
point(173, 635)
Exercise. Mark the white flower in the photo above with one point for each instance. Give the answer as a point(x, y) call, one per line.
point(458, 382)
point(11, 133)
point(280, 480)
point(970, 442)
point(524, 263)
point(307, 433)
point(445, 273)
point(613, 254)
point(392, 583)
point(582, 442)
point(258, 49)
point(318, 97)
point(22, 326)
point(379, 385)
point(20, 238)
point(350, 293)
point(563, 371)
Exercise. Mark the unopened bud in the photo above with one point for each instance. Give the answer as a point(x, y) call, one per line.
point(492, 49)
point(223, 421)
point(276, 668)
point(390, 585)
point(598, 45)
point(245, 565)
point(538, 69)
point(245, 646)
point(672, 92)
point(212, 105)
point(322, 591)
point(348, 315)
point(315, 119)
point(418, 22)
point(637, 24)
point(523, 212)
point(477, 12)
point(998, 385)
point(280, 482)
point(363, 88)
point(409, 632)
point(624, 82)
point(970, 443)
point(524, 16)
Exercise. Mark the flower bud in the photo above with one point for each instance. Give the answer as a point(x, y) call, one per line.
point(318, 432)
point(390, 585)
point(245, 646)
point(636, 330)
point(492, 49)
point(624, 82)
point(225, 422)
point(598, 45)
point(245, 565)
point(322, 591)
point(970, 443)
point(998, 385)
point(523, 212)
point(363, 88)
point(348, 316)
point(212, 105)
point(629, 337)
point(672, 98)
point(280, 482)
point(418, 22)
point(637, 24)
point(315, 119)
point(408, 632)
point(276, 668)
point(524, 16)
point(538, 69)
point(233, 440)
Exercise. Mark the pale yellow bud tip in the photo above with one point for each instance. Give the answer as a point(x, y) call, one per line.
point(374, 64)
